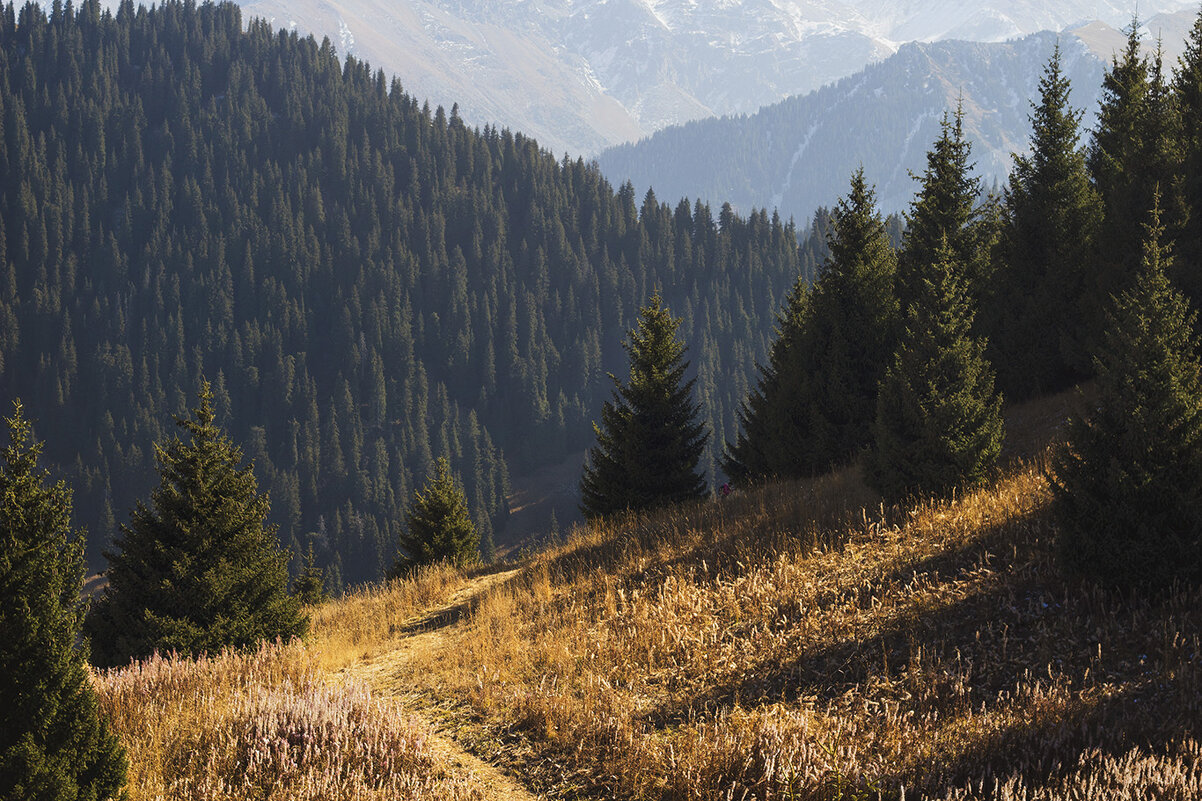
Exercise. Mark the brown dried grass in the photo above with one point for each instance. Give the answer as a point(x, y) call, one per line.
point(266, 725)
point(362, 624)
point(794, 642)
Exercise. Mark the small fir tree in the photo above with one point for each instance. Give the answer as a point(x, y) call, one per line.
point(309, 587)
point(1128, 485)
point(53, 743)
point(1037, 306)
point(488, 544)
point(939, 421)
point(855, 317)
point(649, 441)
point(199, 569)
point(438, 524)
point(774, 419)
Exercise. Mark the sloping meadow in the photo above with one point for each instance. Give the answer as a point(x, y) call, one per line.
point(786, 643)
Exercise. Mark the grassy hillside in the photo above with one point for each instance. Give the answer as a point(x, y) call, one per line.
point(796, 641)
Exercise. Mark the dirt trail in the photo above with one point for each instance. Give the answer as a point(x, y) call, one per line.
point(384, 674)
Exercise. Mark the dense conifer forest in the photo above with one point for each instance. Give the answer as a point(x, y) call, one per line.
point(368, 284)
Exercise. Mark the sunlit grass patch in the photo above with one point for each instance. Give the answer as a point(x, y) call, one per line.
point(266, 724)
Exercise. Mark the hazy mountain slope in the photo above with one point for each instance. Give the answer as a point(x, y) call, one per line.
point(580, 75)
point(995, 20)
point(507, 74)
point(798, 154)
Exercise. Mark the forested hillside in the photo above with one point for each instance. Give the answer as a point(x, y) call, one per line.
point(368, 284)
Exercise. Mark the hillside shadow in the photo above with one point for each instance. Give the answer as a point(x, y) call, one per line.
point(827, 673)
point(1015, 633)
point(594, 569)
point(790, 512)
point(1147, 713)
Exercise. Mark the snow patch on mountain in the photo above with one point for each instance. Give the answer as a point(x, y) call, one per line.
point(346, 39)
point(797, 154)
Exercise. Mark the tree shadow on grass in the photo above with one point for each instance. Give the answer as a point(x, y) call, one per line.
point(790, 515)
point(449, 615)
point(998, 637)
point(1151, 713)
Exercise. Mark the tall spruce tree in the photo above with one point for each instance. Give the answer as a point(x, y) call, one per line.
point(939, 421)
point(438, 524)
point(650, 440)
point(774, 418)
point(1114, 152)
point(941, 214)
point(1132, 157)
point(1163, 136)
point(53, 743)
point(198, 569)
point(1187, 90)
point(1036, 308)
point(854, 330)
point(1128, 485)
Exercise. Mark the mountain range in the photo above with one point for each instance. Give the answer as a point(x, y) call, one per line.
point(797, 155)
point(582, 75)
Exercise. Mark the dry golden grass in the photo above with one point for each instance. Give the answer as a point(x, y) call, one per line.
point(362, 624)
point(266, 725)
point(786, 643)
point(796, 641)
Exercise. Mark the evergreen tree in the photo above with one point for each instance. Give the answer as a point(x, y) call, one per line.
point(1163, 137)
point(1128, 486)
point(941, 214)
point(649, 441)
point(1187, 90)
point(53, 744)
point(1036, 306)
point(855, 316)
point(488, 547)
point(199, 569)
point(939, 422)
point(438, 524)
point(1131, 158)
point(309, 587)
point(774, 418)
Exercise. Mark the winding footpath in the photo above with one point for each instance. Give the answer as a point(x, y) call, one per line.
point(385, 675)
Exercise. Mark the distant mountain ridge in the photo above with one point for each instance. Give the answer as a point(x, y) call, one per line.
point(582, 75)
point(798, 154)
